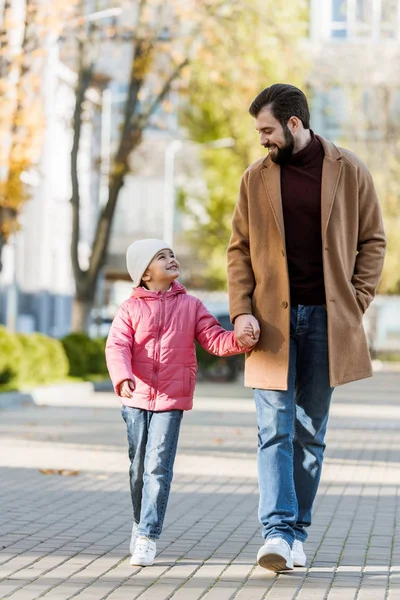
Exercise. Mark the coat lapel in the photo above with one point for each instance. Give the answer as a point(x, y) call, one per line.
point(272, 181)
point(331, 170)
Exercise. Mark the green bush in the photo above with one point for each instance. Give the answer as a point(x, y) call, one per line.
point(387, 356)
point(34, 364)
point(59, 358)
point(85, 355)
point(97, 362)
point(77, 347)
point(11, 354)
point(44, 359)
point(218, 368)
point(204, 358)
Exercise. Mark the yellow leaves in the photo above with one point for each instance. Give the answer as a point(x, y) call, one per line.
point(177, 55)
point(8, 224)
point(167, 106)
point(21, 118)
point(142, 63)
point(239, 50)
point(118, 169)
point(185, 72)
point(216, 77)
point(12, 195)
point(63, 472)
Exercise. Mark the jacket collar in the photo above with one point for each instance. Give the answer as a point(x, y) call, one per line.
point(331, 169)
point(175, 289)
point(330, 150)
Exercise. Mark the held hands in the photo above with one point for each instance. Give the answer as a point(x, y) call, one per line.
point(126, 388)
point(247, 330)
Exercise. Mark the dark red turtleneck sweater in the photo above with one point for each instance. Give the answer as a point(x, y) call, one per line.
point(301, 201)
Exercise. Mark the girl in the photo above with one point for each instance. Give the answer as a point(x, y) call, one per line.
point(151, 359)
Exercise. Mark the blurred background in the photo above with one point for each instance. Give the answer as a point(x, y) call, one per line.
point(123, 120)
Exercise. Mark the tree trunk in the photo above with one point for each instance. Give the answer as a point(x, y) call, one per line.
point(130, 137)
point(81, 310)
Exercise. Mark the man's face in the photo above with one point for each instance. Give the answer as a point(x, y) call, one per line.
point(279, 140)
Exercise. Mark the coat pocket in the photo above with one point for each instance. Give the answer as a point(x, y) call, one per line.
point(359, 307)
point(189, 380)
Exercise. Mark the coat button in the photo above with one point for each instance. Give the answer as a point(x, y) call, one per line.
point(285, 304)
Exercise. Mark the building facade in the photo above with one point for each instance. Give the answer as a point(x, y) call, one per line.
point(354, 82)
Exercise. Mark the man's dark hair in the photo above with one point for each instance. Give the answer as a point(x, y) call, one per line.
point(284, 101)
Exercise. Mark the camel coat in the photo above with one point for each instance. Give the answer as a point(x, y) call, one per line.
point(353, 243)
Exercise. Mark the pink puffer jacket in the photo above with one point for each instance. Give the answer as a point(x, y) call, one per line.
point(151, 340)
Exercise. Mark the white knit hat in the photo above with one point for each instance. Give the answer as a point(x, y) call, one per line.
point(140, 254)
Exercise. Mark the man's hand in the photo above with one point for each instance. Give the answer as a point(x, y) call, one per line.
point(247, 330)
point(126, 388)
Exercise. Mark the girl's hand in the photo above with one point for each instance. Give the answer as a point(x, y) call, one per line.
point(126, 388)
point(247, 330)
point(250, 337)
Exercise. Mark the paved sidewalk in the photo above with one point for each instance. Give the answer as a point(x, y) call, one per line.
point(65, 512)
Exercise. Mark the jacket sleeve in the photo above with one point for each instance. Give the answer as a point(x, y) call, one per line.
point(371, 242)
point(119, 348)
point(241, 280)
point(214, 338)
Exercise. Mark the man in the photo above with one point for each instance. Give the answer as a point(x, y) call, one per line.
point(304, 261)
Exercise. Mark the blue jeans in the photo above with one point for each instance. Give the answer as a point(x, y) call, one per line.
point(152, 439)
point(291, 430)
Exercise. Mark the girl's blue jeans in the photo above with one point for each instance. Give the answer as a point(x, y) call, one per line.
point(152, 439)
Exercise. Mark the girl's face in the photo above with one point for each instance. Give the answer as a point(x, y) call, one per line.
point(162, 271)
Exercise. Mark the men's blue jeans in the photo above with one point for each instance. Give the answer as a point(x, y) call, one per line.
point(291, 430)
point(152, 439)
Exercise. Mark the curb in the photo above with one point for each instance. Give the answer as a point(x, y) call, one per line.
point(15, 400)
point(53, 394)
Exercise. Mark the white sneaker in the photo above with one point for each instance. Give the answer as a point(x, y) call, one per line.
point(299, 557)
point(275, 555)
point(145, 552)
point(133, 538)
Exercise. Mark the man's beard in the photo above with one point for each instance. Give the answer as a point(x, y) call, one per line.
point(282, 155)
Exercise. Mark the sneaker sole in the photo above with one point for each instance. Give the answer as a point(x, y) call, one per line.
point(140, 564)
point(275, 562)
point(299, 562)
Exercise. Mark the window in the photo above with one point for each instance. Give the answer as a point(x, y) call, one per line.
point(363, 22)
point(334, 113)
point(365, 19)
point(390, 19)
point(339, 18)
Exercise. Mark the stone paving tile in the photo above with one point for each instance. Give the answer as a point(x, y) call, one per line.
point(66, 537)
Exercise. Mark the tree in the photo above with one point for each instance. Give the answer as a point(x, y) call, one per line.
point(20, 121)
point(360, 92)
point(357, 86)
point(380, 150)
point(165, 37)
point(388, 187)
point(260, 47)
point(24, 34)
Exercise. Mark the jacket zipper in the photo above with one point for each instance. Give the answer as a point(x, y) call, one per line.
point(157, 347)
